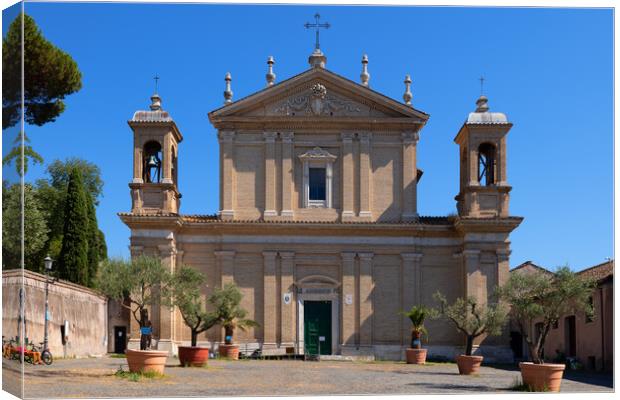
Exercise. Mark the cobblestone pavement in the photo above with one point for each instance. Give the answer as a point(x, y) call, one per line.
point(95, 378)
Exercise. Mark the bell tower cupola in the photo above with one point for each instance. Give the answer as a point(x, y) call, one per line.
point(154, 187)
point(484, 190)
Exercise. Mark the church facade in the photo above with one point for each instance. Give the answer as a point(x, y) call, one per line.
point(318, 222)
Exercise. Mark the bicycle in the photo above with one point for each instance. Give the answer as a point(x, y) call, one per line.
point(44, 354)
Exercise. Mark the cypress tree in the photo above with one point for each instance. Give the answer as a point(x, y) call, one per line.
point(73, 259)
point(93, 240)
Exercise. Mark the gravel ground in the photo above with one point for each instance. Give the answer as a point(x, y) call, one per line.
point(95, 378)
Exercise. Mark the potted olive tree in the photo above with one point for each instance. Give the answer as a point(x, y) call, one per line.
point(136, 284)
point(230, 315)
point(473, 320)
point(185, 288)
point(539, 297)
point(418, 314)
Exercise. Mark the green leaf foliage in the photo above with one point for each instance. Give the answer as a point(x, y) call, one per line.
point(229, 313)
point(417, 315)
point(73, 258)
point(545, 297)
point(93, 241)
point(187, 284)
point(51, 74)
point(472, 318)
point(59, 172)
point(142, 281)
point(35, 228)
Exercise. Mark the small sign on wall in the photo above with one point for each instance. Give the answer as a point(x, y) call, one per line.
point(287, 298)
point(321, 338)
point(348, 299)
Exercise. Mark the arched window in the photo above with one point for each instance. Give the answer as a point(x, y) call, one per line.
point(152, 162)
point(486, 164)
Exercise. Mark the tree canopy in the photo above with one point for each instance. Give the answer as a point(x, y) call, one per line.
point(36, 231)
point(472, 318)
point(186, 295)
point(50, 75)
point(15, 154)
point(545, 297)
point(229, 313)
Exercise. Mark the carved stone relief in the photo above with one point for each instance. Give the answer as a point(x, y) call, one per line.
point(318, 101)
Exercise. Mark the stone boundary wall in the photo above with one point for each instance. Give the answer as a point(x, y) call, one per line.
point(84, 309)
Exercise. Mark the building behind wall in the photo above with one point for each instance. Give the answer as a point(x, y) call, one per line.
point(78, 315)
point(588, 340)
point(318, 222)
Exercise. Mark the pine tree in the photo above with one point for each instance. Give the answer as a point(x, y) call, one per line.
point(73, 259)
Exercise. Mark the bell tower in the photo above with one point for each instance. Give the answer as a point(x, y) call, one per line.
point(484, 190)
point(154, 187)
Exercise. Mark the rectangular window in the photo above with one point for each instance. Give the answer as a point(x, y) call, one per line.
point(316, 178)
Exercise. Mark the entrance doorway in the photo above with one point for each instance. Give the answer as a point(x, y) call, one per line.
point(570, 336)
point(318, 327)
point(120, 339)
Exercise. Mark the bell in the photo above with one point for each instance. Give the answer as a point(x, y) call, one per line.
point(153, 162)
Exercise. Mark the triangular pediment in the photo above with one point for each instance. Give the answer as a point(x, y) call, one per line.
point(318, 93)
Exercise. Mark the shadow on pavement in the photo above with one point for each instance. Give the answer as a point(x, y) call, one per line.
point(449, 386)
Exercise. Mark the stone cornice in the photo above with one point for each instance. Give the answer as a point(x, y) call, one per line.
point(277, 123)
point(487, 225)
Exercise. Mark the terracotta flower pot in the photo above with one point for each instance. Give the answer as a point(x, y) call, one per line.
point(416, 356)
point(146, 360)
point(468, 365)
point(230, 351)
point(193, 356)
point(542, 377)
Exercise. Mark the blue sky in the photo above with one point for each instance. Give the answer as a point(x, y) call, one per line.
point(549, 70)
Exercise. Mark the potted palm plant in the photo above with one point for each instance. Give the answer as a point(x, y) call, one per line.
point(136, 284)
point(418, 314)
point(186, 296)
point(473, 320)
point(543, 297)
point(230, 315)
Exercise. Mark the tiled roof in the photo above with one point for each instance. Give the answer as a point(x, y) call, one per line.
point(599, 272)
point(213, 218)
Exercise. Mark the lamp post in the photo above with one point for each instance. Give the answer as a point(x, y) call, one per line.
point(48, 267)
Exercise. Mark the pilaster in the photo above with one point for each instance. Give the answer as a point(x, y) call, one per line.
point(287, 265)
point(365, 189)
point(287, 175)
point(269, 289)
point(167, 163)
point(411, 289)
point(347, 176)
point(227, 175)
point(168, 255)
point(365, 298)
point(472, 274)
point(270, 175)
point(225, 260)
point(409, 200)
point(349, 299)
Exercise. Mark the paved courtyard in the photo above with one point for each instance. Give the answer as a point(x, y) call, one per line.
point(95, 378)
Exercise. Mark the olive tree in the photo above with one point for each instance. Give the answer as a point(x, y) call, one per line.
point(472, 318)
point(186, 295)
point(141, 281)
point(545, 297)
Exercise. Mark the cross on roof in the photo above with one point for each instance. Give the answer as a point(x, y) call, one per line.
point(317, 25)
point(481, 85)
point(156, 78)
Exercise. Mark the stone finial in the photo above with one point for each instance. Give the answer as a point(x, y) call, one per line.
point(407, 96)
point(482, 104)
point(271, 76)
point(155, 102)
point(228, 94)
point(317, 59)
point(365, 76)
